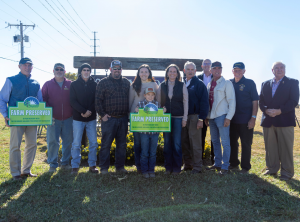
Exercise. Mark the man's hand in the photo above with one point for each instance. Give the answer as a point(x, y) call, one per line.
point(87, 114)
point(226, 122)
point(199, 124)
point(105, 118)
point(251, 123)
point(164, 109)
point(183, 123)
point(136, 109)
point(206, 122)
point(6, 121)
point(273, 112)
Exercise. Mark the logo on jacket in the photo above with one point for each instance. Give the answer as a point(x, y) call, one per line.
point(31, 102)
point(242, 87)
point(66, 88)
point(151, 108)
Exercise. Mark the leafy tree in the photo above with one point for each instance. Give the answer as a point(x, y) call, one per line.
point(71, 76)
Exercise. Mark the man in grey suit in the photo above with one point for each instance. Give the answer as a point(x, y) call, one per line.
point(206, 77)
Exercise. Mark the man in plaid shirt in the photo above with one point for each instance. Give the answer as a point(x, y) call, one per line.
point(112, 104)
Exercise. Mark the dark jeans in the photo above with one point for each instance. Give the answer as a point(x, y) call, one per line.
point(148, 154)
point(113, 128)
point(212, 155)
point(172, 146)
point(246, 135)
point(137, 150)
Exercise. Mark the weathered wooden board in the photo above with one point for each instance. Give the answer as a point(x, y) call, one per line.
point(129, 63)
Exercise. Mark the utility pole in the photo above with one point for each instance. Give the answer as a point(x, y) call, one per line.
point(21, 38)
point(95, 48)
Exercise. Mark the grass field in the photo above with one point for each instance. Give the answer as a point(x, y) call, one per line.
point(203, 197)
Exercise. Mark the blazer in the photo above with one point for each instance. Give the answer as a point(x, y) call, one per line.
point(285, 98)
point(201, 76)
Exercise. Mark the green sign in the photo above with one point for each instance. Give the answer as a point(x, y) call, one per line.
point(31, 112)
point(150, 119)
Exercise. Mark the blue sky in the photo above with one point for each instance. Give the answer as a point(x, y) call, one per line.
point(257, 33)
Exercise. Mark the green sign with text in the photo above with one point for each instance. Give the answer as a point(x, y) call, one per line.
point(150, 119)
point(31, 112)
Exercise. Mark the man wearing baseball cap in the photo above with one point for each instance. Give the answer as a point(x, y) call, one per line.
point(112, 104)
point(18, 88)
point(243, 121)
point(56, 94)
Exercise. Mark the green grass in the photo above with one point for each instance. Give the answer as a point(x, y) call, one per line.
point(203, 197)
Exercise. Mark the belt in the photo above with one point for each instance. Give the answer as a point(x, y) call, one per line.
point(119, 116)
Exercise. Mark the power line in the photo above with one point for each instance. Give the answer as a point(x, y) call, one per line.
point(17, 11)
point(18, 61)
point(9, 14)
point(78, 15)
point(51, 25)
point(72, 18)
point(72, 31)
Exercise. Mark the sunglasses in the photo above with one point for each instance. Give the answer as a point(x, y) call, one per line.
point(59, 70)
point(117, 68)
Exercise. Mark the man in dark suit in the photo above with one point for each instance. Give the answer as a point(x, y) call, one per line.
point(206, 77)
point(278, 99)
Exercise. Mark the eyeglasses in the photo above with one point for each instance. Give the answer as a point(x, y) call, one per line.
point(117, 68)
point(59, 70)
point(206, 64)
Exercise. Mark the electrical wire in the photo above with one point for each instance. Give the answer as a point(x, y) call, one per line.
point(78, 15)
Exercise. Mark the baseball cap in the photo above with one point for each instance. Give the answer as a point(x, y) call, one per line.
point(25, 60)
point(59, 65)
point(115, 63)
point(216, 64)
point(239, 65)
point(148, 90)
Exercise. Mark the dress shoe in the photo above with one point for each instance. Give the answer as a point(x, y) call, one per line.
point(243, 171)
point(74, 170)
point(94, 169)
point(17, 177)
point(233, 168)
point(223, 172)
point(268, 173)
point(284, 178)
point(28, 175)
point(213, 168)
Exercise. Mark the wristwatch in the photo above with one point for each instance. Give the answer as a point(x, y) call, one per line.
point(200, 120)
point(253, 116)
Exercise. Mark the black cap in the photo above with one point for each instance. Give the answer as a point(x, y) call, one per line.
point(25, 60)
point(84, 65)
point(239, 65)
point(216, 64)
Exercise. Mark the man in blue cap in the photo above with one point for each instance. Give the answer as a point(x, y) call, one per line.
point(18, 88)
point(243, 121)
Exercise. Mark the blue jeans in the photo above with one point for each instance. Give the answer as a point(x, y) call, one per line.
point(137, 150)
point(218, 130)
point(91, 133)
point(148, 155)
point(172, 146)
point(64, 129)
point(113, 128)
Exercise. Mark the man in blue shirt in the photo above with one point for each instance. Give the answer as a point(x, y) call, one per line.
point(243, 121)
point(18, 88)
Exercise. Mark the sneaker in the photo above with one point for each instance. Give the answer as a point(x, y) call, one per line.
point(223, 172)
point(213, 168)
point(94, 169)
point(104, 172)
point(65, 167)
point(146, 175)
point(152, 175)
point(196, 171)
point(52, 170)
point(74, 170)
point(122, 171)
point(167, 173)
point(243, 171)
point(233, 168)
point(284, 178)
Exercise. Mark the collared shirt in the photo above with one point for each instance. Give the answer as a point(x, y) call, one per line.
point(5, 95)
point(206, 79)
point(142, 104)
point(187, 82)
point(275, 86)
point(245, 94)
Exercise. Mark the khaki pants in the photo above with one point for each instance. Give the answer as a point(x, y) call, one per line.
point(191, 141)
point(279, 142)
point(16, 134)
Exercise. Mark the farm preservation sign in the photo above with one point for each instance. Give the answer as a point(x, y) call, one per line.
point(31, 112)
point(150, 119)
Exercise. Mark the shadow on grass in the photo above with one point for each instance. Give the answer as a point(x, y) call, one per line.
point(258, 133)
point(187, 197)
point(8, 189)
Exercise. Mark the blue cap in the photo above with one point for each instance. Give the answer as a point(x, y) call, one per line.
point(25, 60)
point(239, 65)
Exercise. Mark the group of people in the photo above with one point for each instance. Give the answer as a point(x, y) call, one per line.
point(228, 107)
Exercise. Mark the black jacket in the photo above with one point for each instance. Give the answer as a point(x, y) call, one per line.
point(285, 98)
point(82, 98)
